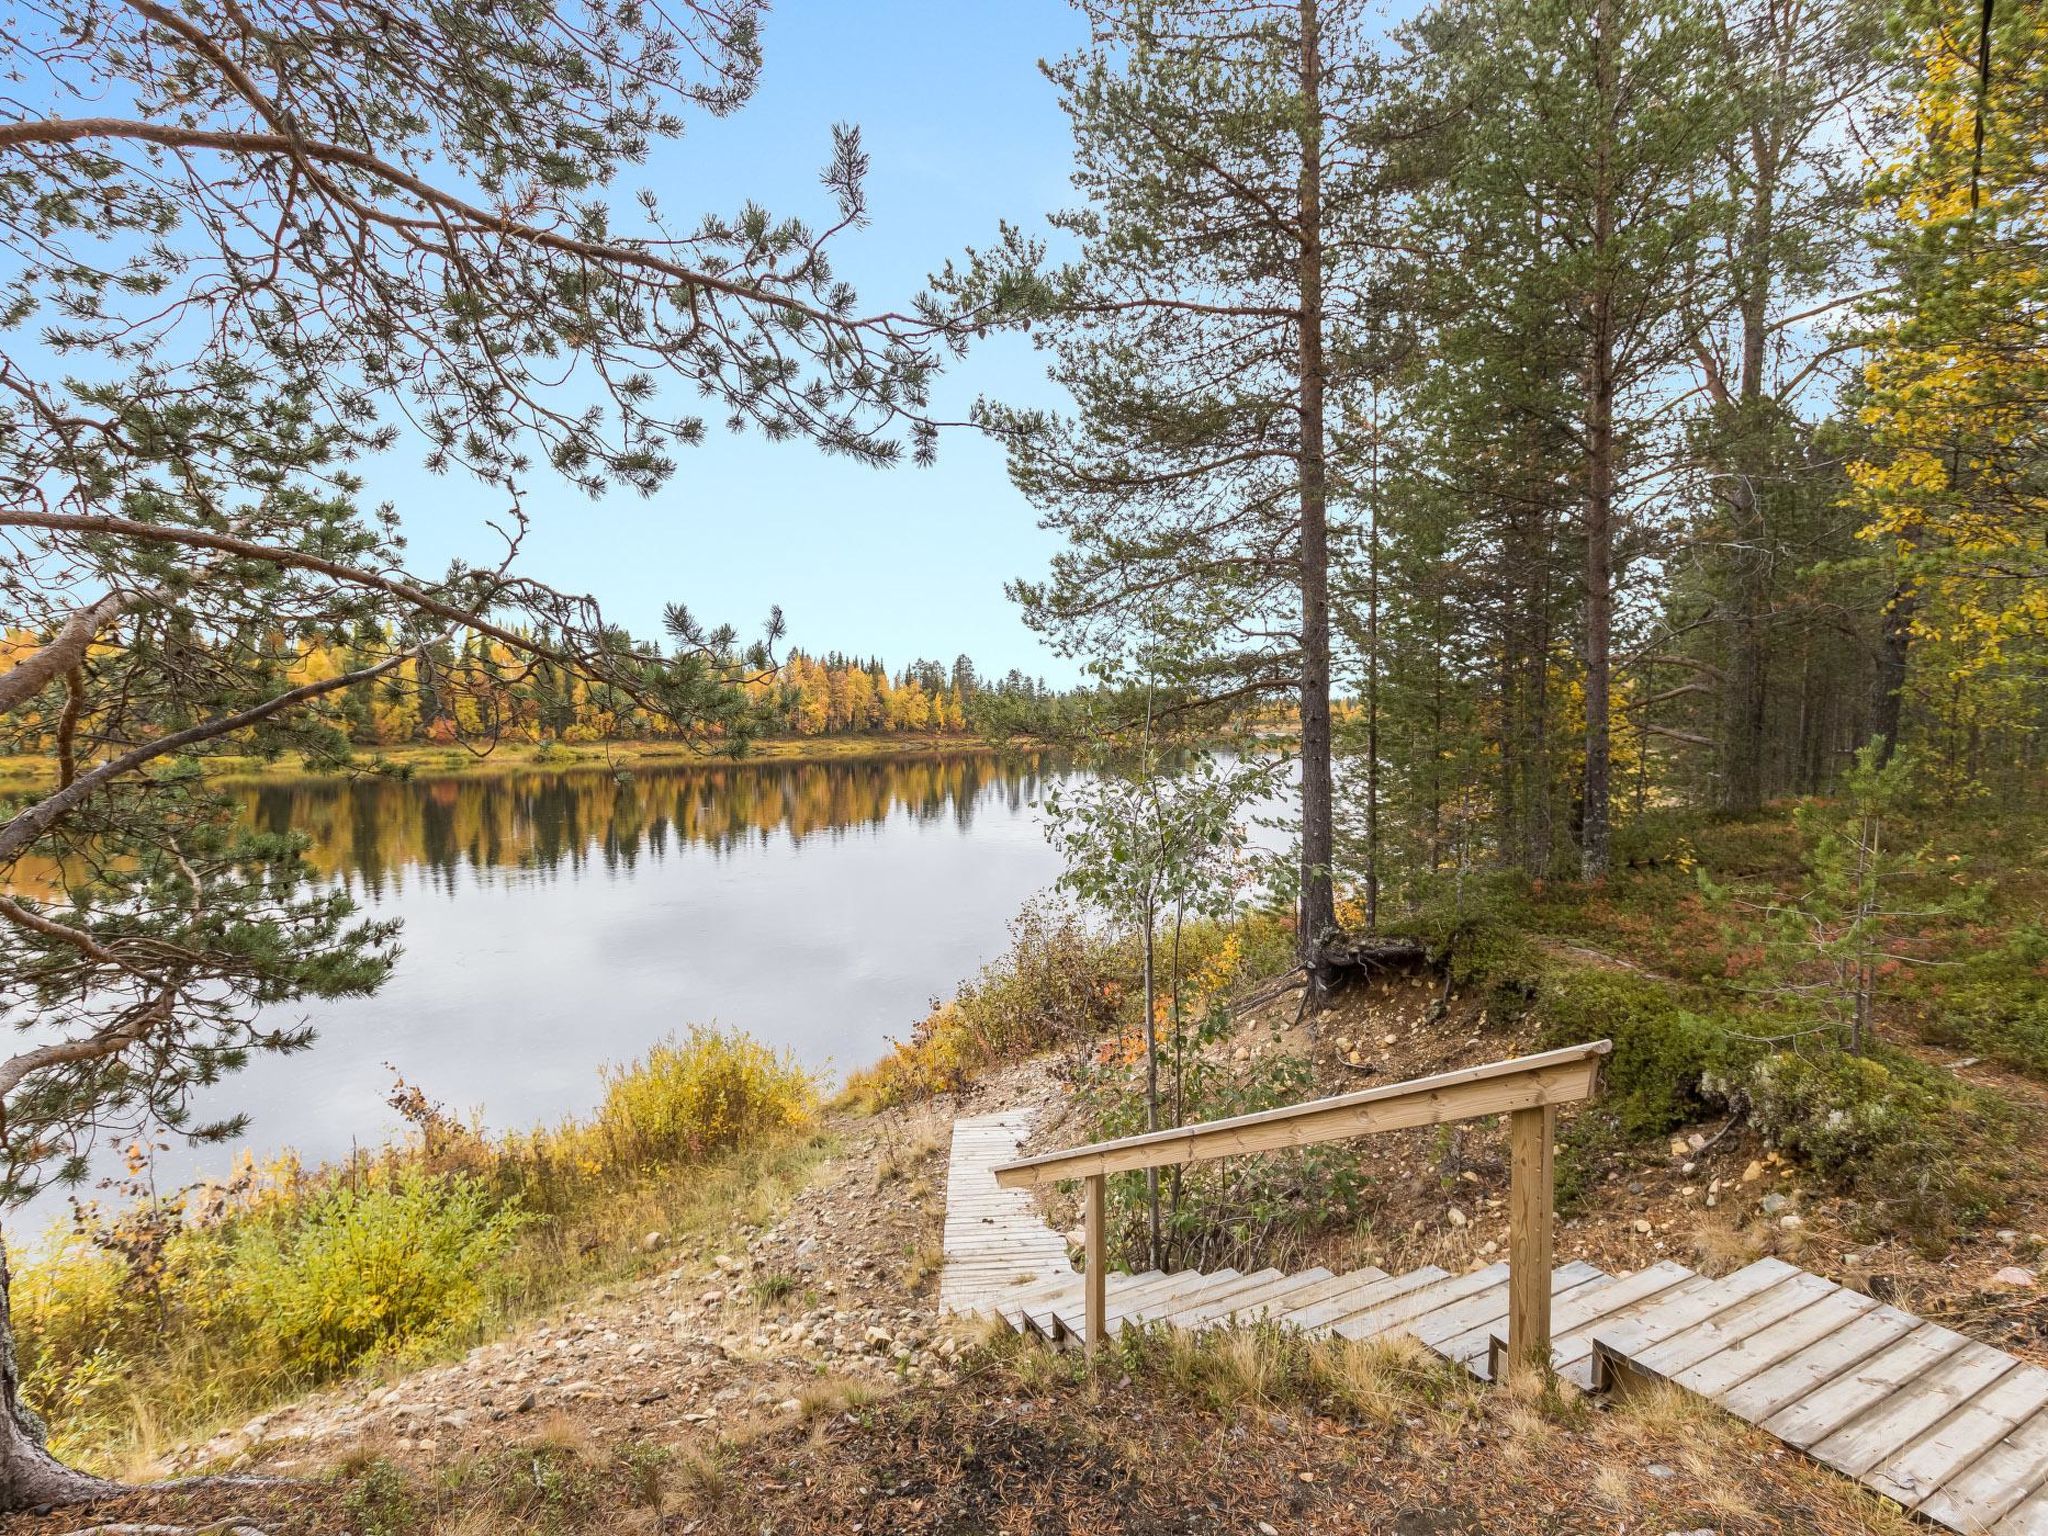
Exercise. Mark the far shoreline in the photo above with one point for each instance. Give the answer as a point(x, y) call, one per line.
point(437, 760)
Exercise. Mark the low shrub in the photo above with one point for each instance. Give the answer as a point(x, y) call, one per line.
point(400, 1268)
point(1663, 1053)
point(1916, 1142)
point(172, 1315)
point(1996, 1005)
point(707, 1093)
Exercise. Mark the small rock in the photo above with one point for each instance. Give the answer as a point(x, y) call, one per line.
point(1268, 1528)
point(1642, 1225)
point(1455, 1217)
point(653, 1242)
point(525, 1404)
point(1774, 1203)
point(1792, 1223)
point(1658, 1470)
point(1679, 1147)
point(2013, 1275)
point(1753, 1172)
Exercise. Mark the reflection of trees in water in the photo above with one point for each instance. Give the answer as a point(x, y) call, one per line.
point(374, 830)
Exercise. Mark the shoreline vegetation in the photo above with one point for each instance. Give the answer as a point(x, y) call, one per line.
point(154, 1318)
point(431, 760)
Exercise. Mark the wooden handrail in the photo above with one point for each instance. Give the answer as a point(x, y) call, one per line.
point(1528, 1089)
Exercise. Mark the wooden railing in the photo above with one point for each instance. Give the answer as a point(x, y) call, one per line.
point(1527, 1090)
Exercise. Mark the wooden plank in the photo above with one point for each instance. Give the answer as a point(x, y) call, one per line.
point(1395, 1314)
point(1098, 1258)
point(1781, 1364)
point(1948, 1448)
point(1531, 1187)
point(1164, 1308)
point(1474, 1344)
point(1913, 1410)
point(1243, 1302)
point(1554, 1077)
point(1996, 1483)
point(1573, 1320)
point(1483, 1313)
point(1236, 1311)
point(1346, 1284)
point(1215, 1283)
point(1684, 1306)
point(1822, 1412)
point(1310, 1315)
point(2029, 1518)
point(1064, 1314)
point(1728, 1329)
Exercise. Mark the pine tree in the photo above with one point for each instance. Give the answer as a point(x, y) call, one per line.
point(1235, 183)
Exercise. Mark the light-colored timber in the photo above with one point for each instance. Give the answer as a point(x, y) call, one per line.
point(1946, 1426)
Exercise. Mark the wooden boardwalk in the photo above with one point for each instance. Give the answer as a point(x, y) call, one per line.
point(1951, 1429)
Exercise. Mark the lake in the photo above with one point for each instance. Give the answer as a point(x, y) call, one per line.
point(556, 921)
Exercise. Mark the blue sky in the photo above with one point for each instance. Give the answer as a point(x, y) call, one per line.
point(962, 130)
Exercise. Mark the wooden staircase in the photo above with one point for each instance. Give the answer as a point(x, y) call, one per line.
point(1951, 1429)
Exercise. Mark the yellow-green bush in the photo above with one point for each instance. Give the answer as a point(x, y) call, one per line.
point(247, 1292)
point(706, 1093)
point(395, 1268)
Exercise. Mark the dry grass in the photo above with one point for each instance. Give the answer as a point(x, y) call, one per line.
point(922, 1268)
point(1722, 1244)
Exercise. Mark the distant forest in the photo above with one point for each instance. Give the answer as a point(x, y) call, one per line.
point(478, 688)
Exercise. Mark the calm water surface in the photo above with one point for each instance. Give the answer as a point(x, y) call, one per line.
point(556, 921)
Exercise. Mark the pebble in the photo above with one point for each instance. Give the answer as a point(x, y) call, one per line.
point(2013, 1275)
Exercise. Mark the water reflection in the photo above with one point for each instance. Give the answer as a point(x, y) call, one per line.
point(375, 834)
point(558, 920)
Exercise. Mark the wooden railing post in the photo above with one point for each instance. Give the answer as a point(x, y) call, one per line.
point(1530, 1195)
point(1097, 1278)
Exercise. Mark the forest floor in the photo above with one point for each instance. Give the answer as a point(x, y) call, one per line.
point(792, 1377)
point(431, 760)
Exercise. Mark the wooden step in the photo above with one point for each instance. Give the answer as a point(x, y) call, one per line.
point(1573, 1318)
point(1402, 1310)
point(1245, 1307)
point(1167, 1308)
point(1070, 1323)
point(1805, 1352)
point(2028, 1518)
point(1467, 1339)
point(1352, 1282)
point(2002, 1480)
point(1916, 1472)
point(1727, 1332)
point(1920, 1403)
point(1314, 1316)
point(1853, 1393)
point(1483, 1313)
point(1683, 1307)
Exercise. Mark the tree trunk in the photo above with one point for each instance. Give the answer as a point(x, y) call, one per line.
point(1151, 1092)
point(30, 1476)
point(1887, 704)
point(1318, 915)
point(1599, 575)
point(1372, 691)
